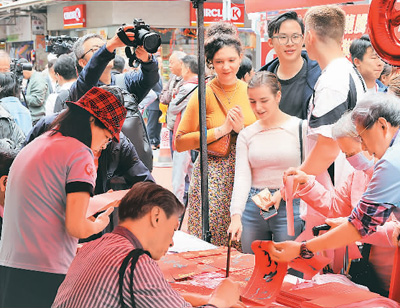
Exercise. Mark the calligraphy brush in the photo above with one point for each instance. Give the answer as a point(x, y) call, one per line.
point(228, 255)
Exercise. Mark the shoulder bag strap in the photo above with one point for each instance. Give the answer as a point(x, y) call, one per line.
point(301, 140)
point(219, 101)
point(186, 95)
point(134, 256)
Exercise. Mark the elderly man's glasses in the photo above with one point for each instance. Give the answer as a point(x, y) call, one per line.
point(93, 49)
point(359, 136)
point(283, 39)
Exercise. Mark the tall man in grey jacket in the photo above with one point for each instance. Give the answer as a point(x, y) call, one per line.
point(36, 93)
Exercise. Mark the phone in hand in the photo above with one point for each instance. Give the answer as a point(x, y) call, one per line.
point(270, 213)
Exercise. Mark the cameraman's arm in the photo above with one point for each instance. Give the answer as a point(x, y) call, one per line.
point(140, 83)
point(90, 74)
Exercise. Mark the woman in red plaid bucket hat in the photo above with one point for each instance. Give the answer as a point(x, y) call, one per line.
point(48, 191)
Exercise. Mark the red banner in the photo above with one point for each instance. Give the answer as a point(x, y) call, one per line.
point(213, 14)
point(253, 6)
point(74, 16)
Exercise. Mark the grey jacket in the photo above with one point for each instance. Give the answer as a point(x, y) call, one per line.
point(9, 130)
point(36, 96)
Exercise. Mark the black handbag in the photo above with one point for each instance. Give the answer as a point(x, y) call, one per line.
point(363, 272)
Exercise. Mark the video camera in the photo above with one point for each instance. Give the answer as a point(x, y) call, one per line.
point(143, 37)
point(17, 69)
point(60, 44)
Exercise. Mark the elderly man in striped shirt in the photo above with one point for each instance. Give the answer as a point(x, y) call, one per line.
point(119, 269)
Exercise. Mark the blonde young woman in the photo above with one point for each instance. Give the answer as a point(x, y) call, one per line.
point(228, 111)
point(264, 151)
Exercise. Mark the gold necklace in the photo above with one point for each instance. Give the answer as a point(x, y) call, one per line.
point(226, 95)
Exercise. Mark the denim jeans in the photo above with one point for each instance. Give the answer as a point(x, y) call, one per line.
point(153, 126)
point(275, 228)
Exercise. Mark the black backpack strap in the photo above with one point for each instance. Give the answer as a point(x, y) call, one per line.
point(134, 256)
point(301, 140)
point(352, 95)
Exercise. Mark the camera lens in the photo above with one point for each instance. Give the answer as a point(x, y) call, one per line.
point(151, 42)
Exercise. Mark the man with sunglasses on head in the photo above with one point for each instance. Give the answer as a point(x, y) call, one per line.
point(296, 72)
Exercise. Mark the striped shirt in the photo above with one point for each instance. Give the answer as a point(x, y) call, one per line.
point(92, 280)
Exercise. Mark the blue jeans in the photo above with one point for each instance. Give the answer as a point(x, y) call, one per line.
point(275, 228)
point(153, 126)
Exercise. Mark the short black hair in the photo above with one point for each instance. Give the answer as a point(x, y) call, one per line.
point(7, 157)
point(245, 67)
point(143, 196)
point(65, 66)
point(119, 64)
point(275, 24)
point(190, 62)
point(9, 85)
point(359, 47)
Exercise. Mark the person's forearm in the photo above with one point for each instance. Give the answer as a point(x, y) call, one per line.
point(91, 73)
point(321, 156)
point(340, 236)
point(141, 83)
point(330, 203)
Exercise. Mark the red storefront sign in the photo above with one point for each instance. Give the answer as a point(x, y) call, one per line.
point(253, 6)
point(356, 25)
point(213, 14)
point(74, 16)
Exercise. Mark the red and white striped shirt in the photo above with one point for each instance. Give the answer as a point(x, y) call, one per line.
point(92, 279)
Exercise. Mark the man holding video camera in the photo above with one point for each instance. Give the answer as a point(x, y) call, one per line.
point(94, 60)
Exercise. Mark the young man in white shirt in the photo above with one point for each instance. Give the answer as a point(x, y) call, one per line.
point(337, 90)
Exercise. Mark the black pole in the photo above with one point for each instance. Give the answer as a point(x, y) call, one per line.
point(199, 5)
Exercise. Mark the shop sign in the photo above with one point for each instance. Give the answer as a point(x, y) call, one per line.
point(74, 16)
point(213, 14)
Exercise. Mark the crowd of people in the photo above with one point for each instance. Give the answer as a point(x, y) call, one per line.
point(328, 123)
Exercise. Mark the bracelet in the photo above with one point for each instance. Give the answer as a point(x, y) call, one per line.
point(304, 252)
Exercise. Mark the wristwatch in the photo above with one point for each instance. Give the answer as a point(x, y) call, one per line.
point(304, 252)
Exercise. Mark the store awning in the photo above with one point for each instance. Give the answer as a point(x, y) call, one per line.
point(253, 6)
point(21, 4)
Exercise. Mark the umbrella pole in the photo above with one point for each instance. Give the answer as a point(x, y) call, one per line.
point(206, 234)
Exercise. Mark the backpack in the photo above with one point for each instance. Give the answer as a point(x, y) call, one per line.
point(134, 127)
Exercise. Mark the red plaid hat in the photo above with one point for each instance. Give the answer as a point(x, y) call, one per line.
point(105, 107)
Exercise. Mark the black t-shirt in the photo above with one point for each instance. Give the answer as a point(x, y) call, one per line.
point(292, 101)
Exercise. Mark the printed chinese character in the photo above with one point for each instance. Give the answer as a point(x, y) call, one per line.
point(346, 47)
point(349, 24)
point(361, 23)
